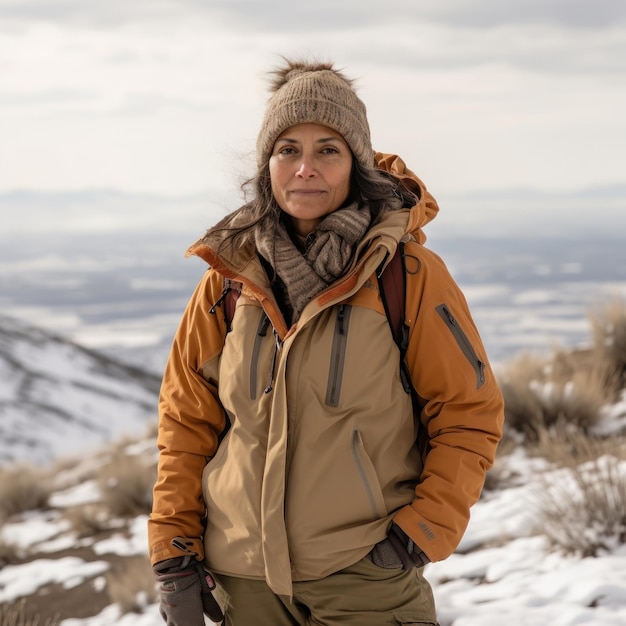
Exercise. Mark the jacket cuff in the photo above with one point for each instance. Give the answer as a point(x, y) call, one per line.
point(409, 552)
point(417, 529)
point(178, 546)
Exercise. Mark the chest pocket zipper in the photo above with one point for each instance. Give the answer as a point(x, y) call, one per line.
point(277, 346)
point(463, 342)
point(261, 332)
point(338, 354)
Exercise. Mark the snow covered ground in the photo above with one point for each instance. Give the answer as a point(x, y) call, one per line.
point(504, 572)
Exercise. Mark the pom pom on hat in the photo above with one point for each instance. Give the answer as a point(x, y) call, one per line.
point(315, 92)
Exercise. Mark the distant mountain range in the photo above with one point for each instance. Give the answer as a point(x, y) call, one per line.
point(58, 399)
point(588, 212)
point(595, 210)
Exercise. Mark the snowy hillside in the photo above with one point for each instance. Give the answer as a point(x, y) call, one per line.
point(504, 572)
point(59, 399)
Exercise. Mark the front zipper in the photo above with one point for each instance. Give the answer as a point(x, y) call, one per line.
point(278, 344)
point(338, 354)
point(264, 323)
point(463, 343)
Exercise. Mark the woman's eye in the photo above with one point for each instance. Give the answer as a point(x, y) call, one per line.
point(330, 150)
point(286, 150)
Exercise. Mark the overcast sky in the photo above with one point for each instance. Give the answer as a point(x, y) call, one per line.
point(166, 96)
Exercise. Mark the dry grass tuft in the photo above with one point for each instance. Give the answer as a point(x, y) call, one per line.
point(569, 387)
point(16, 615)
point(126, 483)
point(540, 393)
point(582, 509)
point(22, 488)
point(131, 586)
point(608, 326)
point(565, 445)
point(582, 504)
point(88, 520)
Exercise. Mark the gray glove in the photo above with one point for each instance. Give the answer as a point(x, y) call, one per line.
point(397, 550)
point(185, 588)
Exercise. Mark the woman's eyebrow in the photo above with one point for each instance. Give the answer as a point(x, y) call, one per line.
point(326, 139)
point(321, 140)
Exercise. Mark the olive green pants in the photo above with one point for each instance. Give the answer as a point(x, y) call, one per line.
point(361, 595)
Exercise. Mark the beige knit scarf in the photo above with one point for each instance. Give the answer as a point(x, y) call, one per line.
point(329, 252)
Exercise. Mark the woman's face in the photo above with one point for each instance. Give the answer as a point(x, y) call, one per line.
point(310, 171)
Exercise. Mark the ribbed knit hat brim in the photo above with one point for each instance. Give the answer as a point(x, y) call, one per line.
point(319, 94)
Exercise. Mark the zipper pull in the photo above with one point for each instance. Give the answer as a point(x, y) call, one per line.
point(182, 544)
point(220, 300)
point(340, 316)
point(449, 315)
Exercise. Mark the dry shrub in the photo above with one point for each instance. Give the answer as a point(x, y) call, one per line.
point(131, 585)
point(582, 509)
point(521, 405)
point(15, 615)
point(68, 471)
point(22, 488)
point(126, 483)
point(582, 505)
point(569, 387)
point(608, 325)
point(88, 520)
point(565, 445)
point(540, 393)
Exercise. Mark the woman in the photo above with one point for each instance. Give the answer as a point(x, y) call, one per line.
point(288, 460)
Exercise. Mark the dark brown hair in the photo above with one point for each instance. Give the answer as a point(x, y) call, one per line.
point(377, 188)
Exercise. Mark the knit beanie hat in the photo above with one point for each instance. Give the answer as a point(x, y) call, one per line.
point(315, 92)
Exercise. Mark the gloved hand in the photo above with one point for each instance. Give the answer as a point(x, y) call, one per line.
point(397, 550)
point(185, 588)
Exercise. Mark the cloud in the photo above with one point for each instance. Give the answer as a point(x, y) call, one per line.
point(164, 95)
point(580, 14)
point(279, 15)
point(534, 48)
point(46, 97)
point(547, 36)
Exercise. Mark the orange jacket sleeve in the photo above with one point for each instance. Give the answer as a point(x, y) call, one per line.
point(191, 420)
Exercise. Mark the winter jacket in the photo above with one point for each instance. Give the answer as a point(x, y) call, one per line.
point(285, 453)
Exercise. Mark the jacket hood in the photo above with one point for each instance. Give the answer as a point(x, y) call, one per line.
point(426, 208)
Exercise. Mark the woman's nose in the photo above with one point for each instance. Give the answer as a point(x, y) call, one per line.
point(306, 168)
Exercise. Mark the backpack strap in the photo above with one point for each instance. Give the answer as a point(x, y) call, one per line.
point(392, 287)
